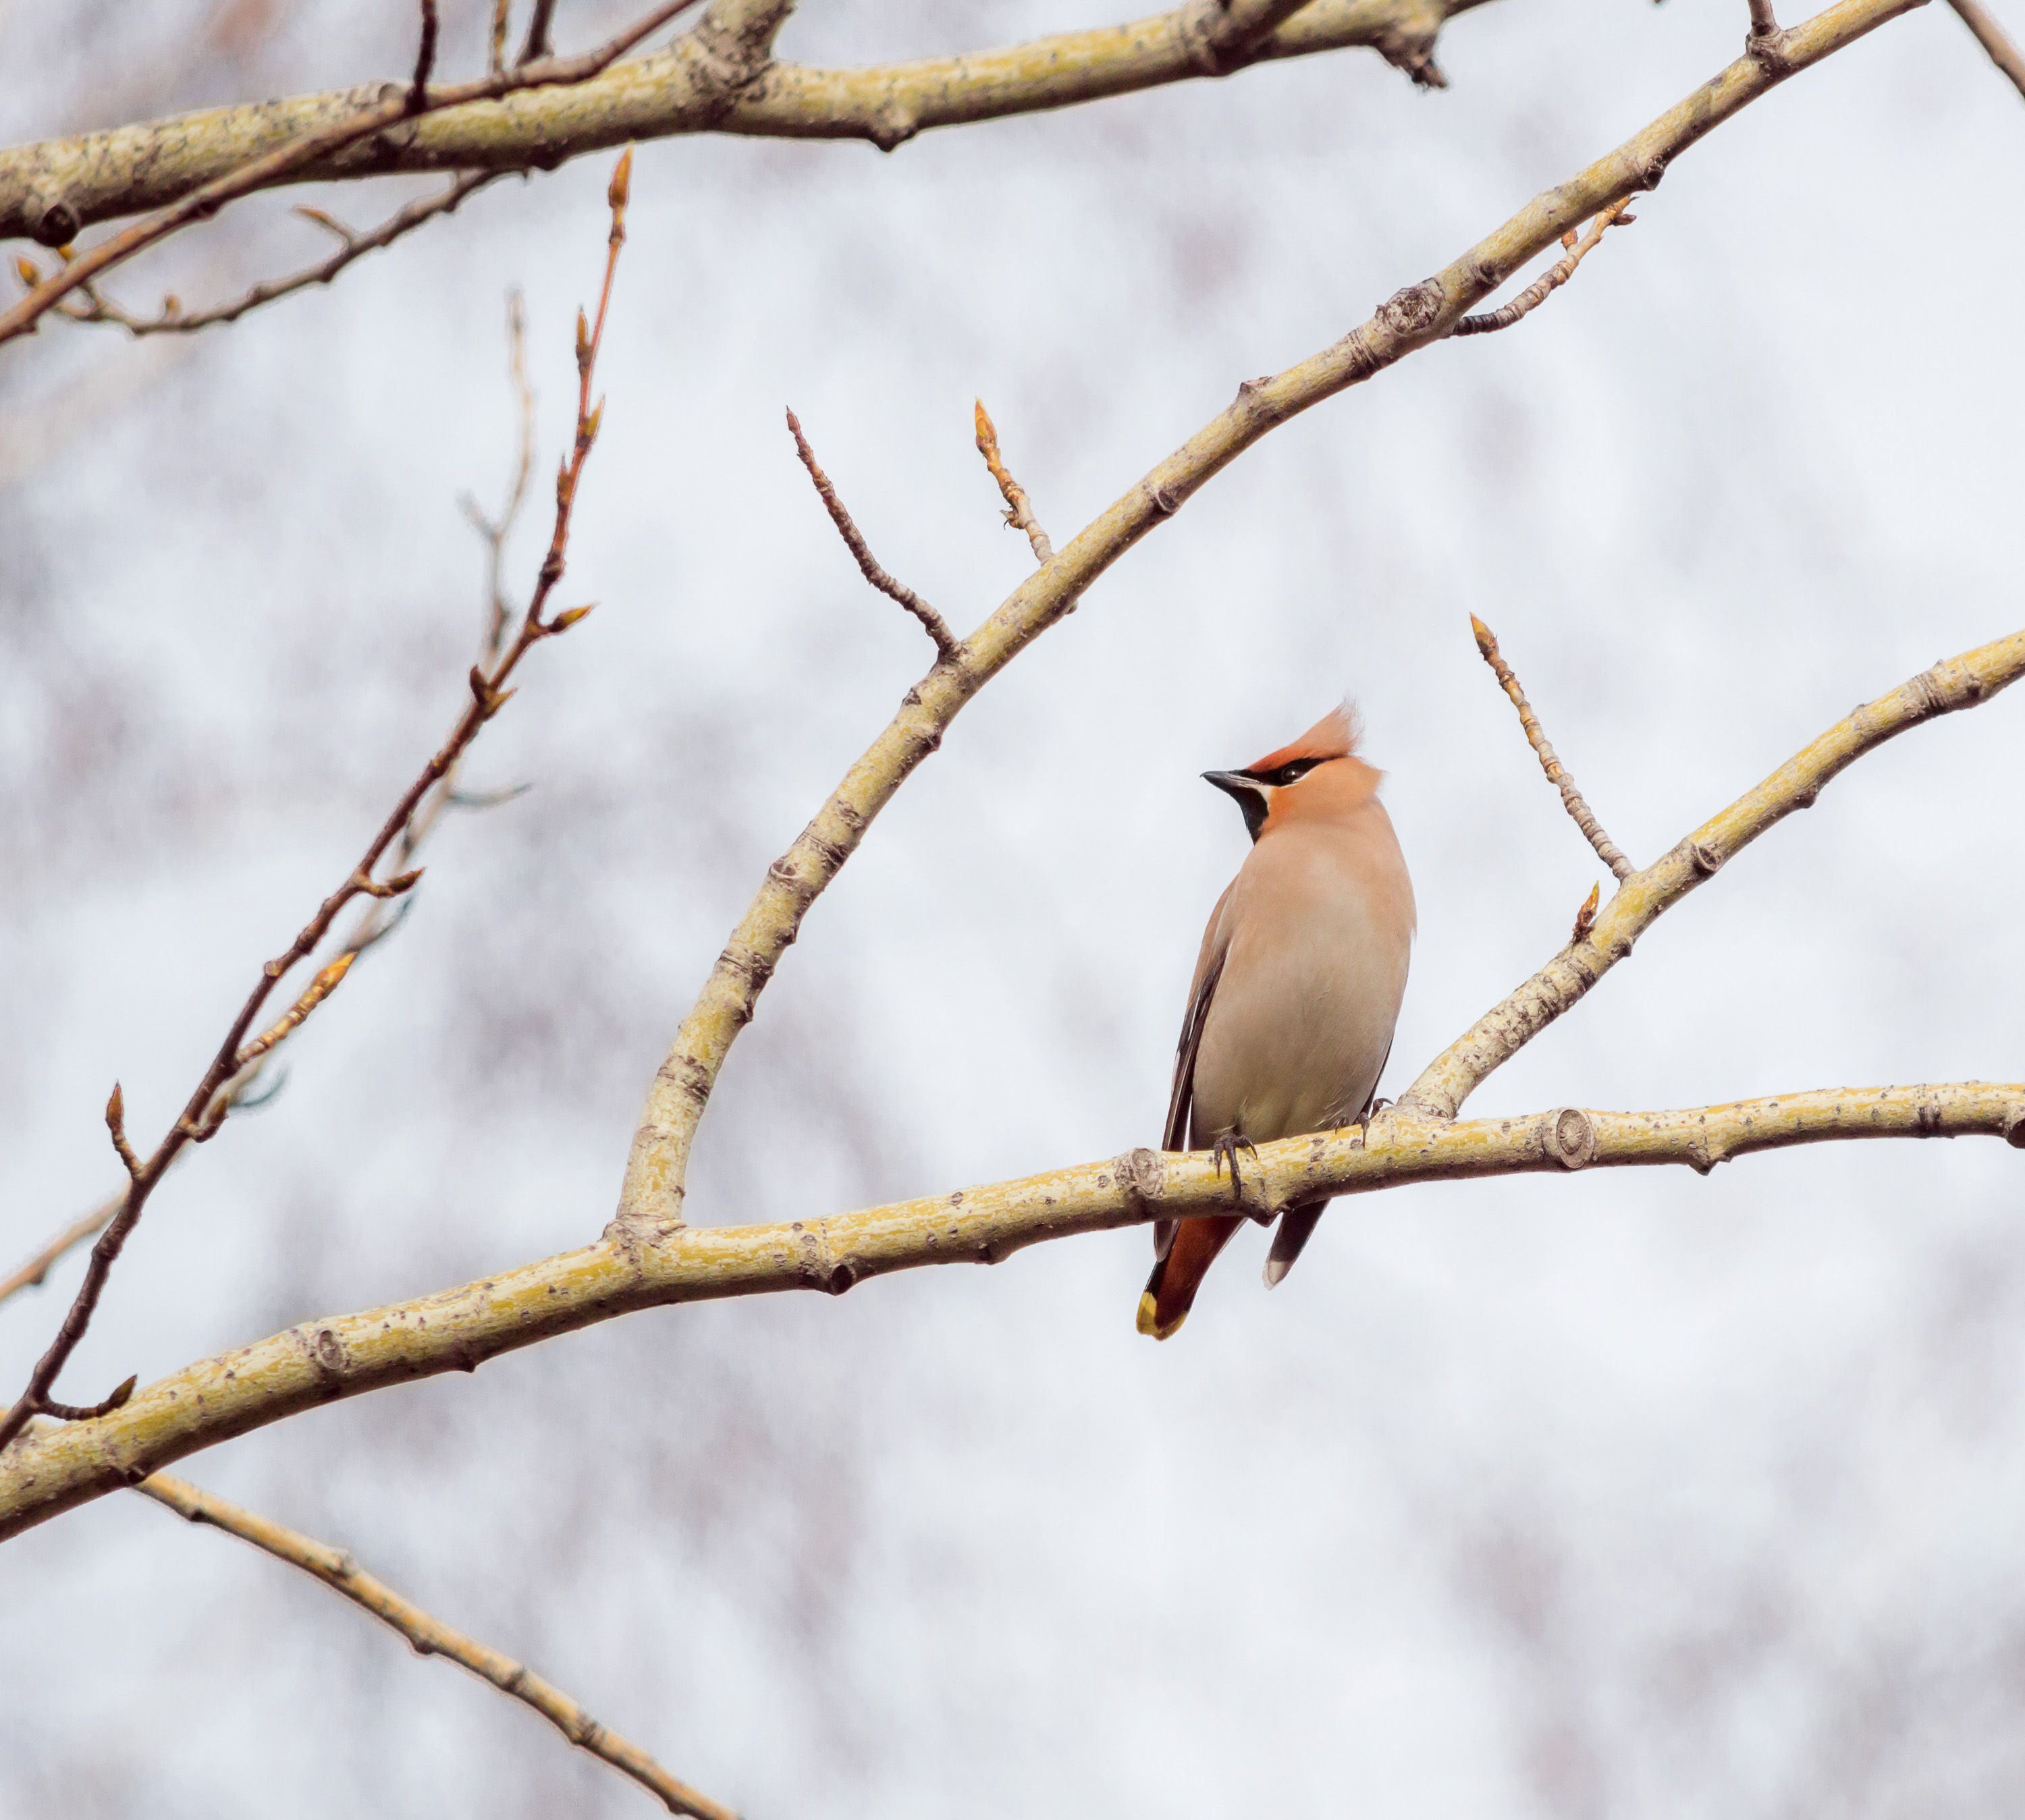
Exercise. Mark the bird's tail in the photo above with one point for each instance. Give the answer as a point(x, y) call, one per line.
point(1178, 1271)
point(1297, 1226)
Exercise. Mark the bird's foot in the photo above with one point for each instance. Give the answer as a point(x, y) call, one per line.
point(1225, 1150)
point(1371, 1116)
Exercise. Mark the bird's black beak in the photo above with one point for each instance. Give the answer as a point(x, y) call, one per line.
point(1248, 793)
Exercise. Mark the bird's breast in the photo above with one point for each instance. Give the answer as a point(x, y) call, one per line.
point(1319, 932)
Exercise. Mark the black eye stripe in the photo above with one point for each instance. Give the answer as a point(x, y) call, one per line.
point(1291, 772)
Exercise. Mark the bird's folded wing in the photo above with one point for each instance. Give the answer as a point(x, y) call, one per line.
point(1181, 1098)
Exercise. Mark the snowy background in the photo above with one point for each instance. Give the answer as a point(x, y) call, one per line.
point(1618, 1495)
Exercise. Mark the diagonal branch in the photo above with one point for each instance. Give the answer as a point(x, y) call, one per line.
point(1966, 681)
point(932, 622)
point(651, 1196)
point(429, 1636)
point(1558, 774)
point(321, 1361)
point(211, 1102)
point(50, 190)
point(1994, 40)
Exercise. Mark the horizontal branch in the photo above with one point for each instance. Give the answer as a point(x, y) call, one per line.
point(321, 1361)
point(692, 86)
point(430, 1636)
point(1955, 683)
point(651, 1196)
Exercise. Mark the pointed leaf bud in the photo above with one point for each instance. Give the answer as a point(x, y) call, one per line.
point(1586, 916)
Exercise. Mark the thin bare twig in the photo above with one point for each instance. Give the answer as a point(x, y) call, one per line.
point(495, 531)
point(379, 919)
point(1994, 40)
point(536, 44)
point(174, 320)
point(209, 1104)
point(1553, 279)
point(932, 622)
point(495, 44)
point(1558, 773)
point(259, 173)
point(425, 59)
point(1019, 508)
point(32, 1274)
point(430, 1636)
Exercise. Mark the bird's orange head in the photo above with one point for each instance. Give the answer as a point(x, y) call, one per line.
point(1316, 776)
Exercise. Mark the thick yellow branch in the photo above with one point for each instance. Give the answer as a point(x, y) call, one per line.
point(1644, 897)
point(709, 81)
point(650, 1202)
point(430, 1636)
point(321, 1361)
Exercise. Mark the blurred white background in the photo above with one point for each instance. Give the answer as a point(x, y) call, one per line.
point(1618, 1495)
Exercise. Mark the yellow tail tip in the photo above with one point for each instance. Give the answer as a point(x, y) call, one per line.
point(1149, 1319)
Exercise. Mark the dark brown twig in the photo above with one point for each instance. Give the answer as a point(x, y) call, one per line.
point(174, 320)
point(1558, 773)
point(1019, 508)
point(937, 628)
point(258, 172)
point(536, 44)
point(207, 1107)
point(1994, 40)
point(426, 60)
point(1553, 279)
point(78, 1412)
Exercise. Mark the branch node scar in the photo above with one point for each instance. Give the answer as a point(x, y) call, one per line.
point(1569, 1137)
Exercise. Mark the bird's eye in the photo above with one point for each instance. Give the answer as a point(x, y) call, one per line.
point(1291, 773)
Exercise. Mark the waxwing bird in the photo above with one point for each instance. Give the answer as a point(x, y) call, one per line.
point(1302, 968)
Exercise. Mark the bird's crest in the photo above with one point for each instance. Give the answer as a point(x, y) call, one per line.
point(1336, 734)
